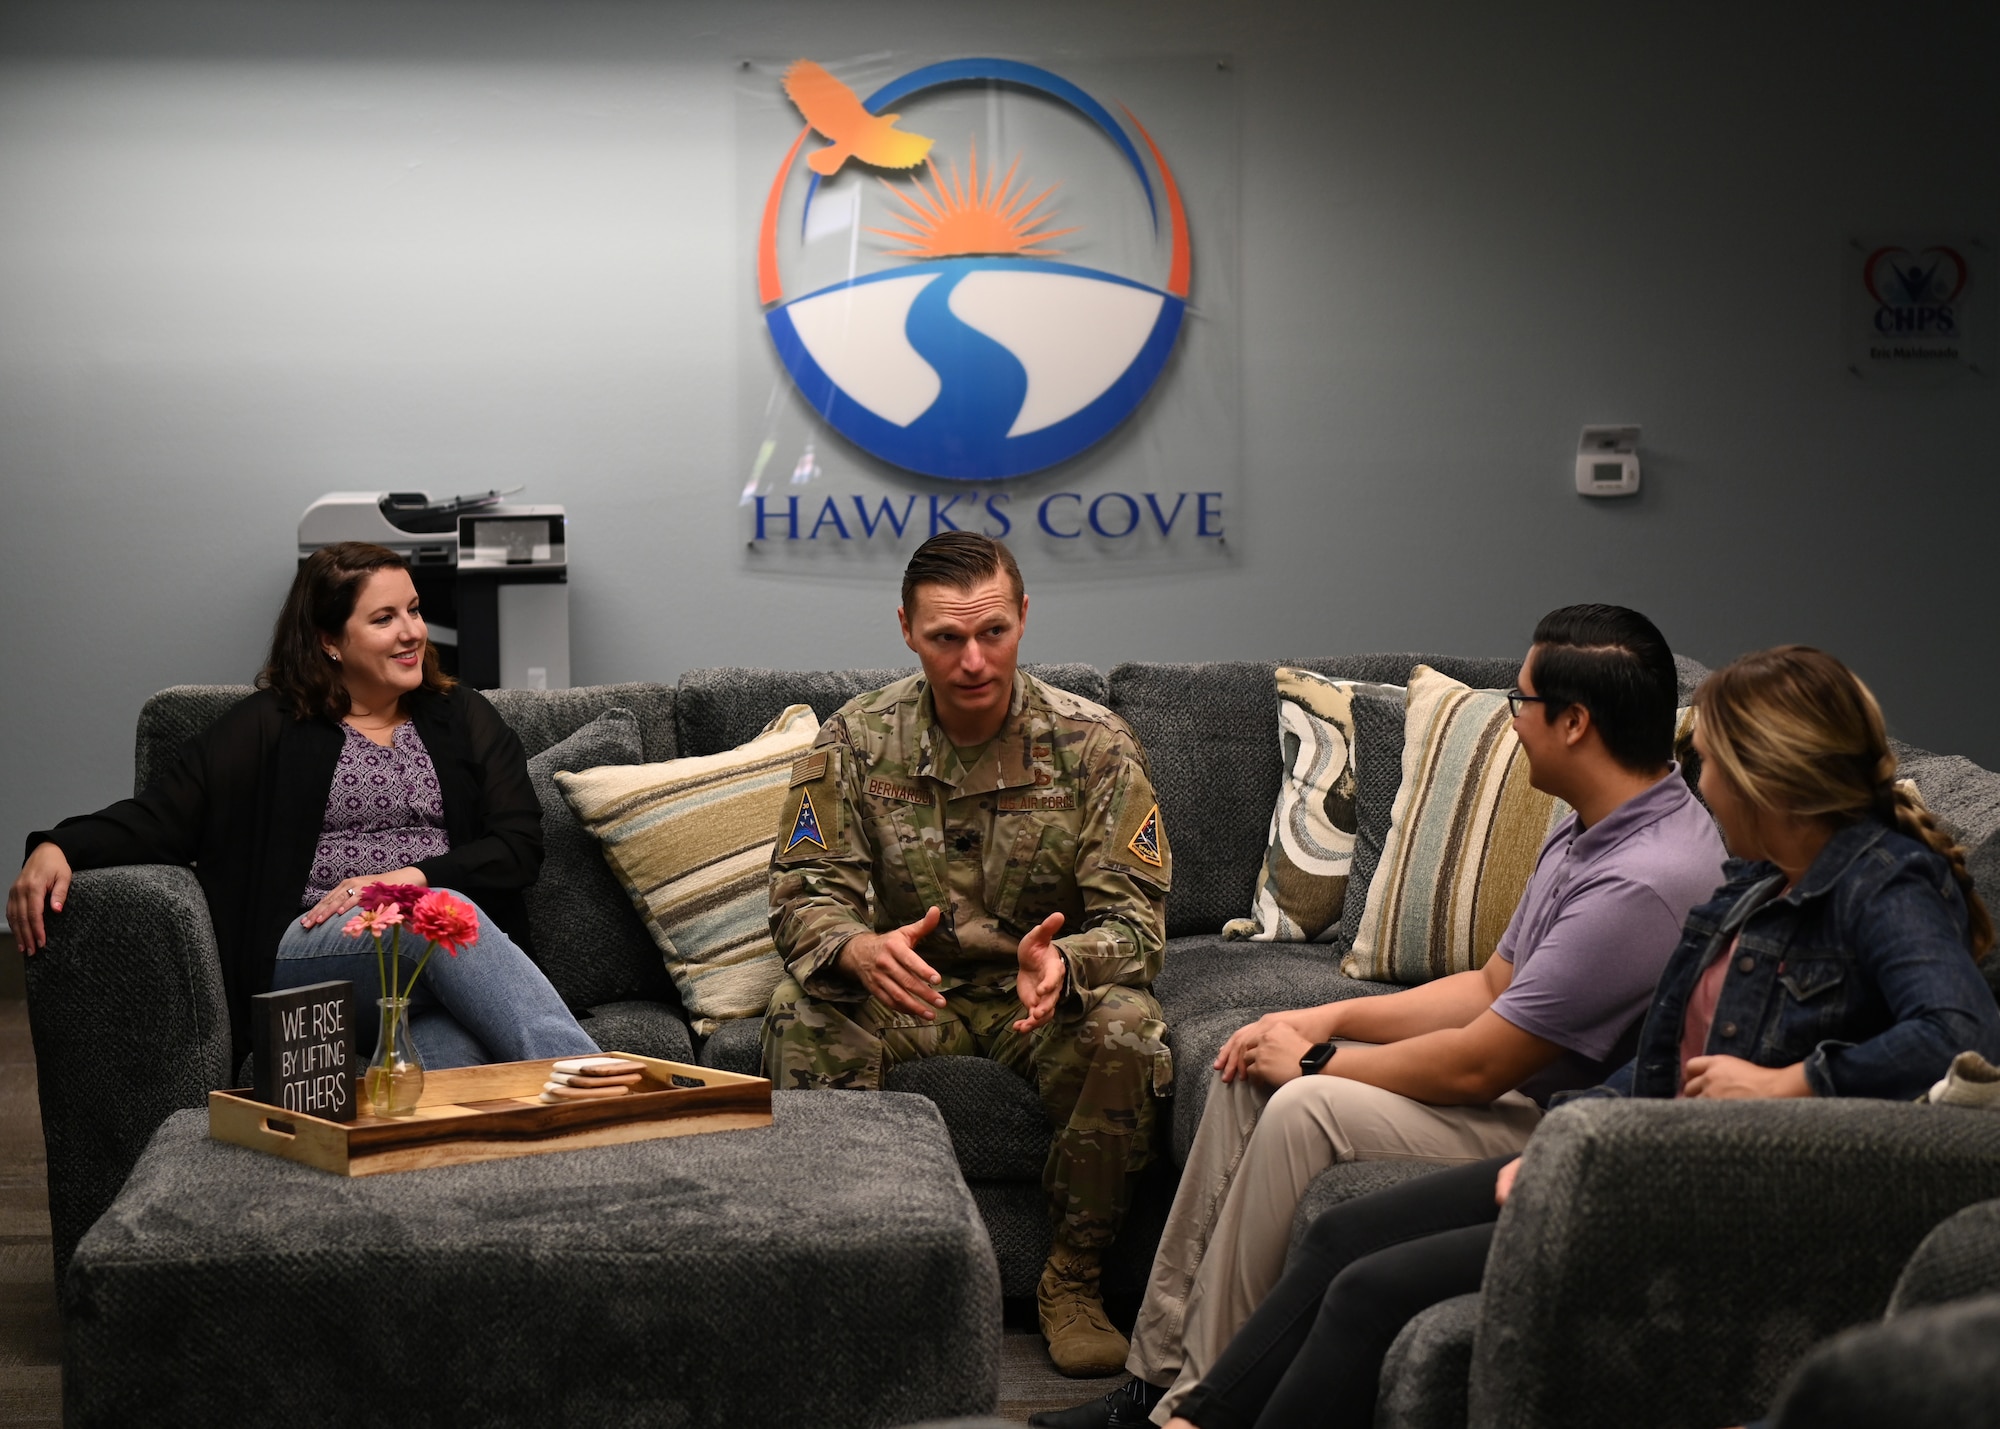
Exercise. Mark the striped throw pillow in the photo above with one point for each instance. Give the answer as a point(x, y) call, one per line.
point(690, 840)
point(1463, 839)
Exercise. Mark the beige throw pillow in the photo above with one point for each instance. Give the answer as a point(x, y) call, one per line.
point(1463, 839)
point(690, 841)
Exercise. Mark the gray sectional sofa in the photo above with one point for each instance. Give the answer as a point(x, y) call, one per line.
point(138, 938)
point(136, 941)
point(1666, 1264)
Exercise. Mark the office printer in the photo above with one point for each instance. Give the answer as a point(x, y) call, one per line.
point(493, 577)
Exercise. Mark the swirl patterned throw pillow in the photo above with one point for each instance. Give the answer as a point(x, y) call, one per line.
point(1302, 886)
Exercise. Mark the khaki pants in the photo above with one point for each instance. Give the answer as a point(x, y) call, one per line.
point(1252, 1159)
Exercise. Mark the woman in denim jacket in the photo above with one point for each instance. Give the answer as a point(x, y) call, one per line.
point(1832, 962)
point(1837, 960)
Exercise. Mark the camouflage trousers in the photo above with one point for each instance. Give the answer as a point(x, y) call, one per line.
point(1098, 1069)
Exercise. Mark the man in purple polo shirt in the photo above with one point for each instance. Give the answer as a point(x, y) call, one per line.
point(1458, 1069)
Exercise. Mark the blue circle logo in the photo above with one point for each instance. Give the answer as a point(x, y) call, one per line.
point(982, 358)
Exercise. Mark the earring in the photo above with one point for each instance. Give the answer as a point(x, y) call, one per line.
point(333, 656)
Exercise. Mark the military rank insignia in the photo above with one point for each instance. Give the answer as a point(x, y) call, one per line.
point(805, 827)
point(1145, 844)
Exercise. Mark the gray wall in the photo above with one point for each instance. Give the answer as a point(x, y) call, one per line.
point(250, 253)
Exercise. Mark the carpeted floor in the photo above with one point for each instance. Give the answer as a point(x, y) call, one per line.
point(1028, 1381)
point(31, 1330)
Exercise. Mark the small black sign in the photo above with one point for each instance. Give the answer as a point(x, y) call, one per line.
point(303, 1039)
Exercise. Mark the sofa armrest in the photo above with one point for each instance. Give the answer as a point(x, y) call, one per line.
point(130, 1024)
point(1424, 1373)
point(1667, 1263)
point(1959, 1259)
point(1936, 1366)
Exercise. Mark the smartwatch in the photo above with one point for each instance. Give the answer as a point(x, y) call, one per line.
point(1316, 1057)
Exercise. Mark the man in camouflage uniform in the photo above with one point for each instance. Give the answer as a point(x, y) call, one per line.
point(937, 841)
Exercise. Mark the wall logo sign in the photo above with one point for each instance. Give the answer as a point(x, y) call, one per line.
point(981, 354)
point(1910, 307)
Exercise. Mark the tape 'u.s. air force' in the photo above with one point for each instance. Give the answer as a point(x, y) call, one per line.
point(1040, 799)
point(805, 826)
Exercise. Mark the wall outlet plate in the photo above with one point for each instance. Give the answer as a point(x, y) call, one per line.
point(1607, 461)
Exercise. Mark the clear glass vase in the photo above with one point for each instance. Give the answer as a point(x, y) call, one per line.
point(396, 1071)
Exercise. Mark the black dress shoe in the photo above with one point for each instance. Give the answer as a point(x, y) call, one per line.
point(1130, 1406)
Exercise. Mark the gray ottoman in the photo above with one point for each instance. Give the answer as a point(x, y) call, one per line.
point(828, 1270)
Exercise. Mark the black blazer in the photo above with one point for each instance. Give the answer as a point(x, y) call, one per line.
point(245, 803)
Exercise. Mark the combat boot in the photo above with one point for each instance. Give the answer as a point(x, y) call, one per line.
point(1082, 1340)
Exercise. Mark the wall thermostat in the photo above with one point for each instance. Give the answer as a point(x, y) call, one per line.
point(1607, 461)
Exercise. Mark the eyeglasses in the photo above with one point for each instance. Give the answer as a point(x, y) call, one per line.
point(1515, 699)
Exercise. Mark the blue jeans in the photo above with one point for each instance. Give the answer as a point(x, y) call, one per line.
point(488, 1004)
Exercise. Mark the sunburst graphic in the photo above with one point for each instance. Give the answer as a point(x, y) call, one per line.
point(954, 219)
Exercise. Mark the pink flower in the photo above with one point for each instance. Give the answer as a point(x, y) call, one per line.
point(377, 920)
point(440, 918)
point(404, 897)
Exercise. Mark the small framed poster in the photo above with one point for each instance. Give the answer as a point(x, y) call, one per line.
point(303, 1043)
point(1910, 308)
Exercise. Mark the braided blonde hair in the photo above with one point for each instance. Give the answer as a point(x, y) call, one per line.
point(1797, 732)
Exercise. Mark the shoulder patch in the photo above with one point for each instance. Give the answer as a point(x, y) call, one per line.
point(812, 818)
point(1145, 844)
point(805, 826)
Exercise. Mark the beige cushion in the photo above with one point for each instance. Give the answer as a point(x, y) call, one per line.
point(1302, 885)
point(1463, 839)
point(690, 841)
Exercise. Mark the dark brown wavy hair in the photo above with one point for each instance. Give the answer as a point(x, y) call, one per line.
point(318, 606)
point(1797, 732)
point(961, 560)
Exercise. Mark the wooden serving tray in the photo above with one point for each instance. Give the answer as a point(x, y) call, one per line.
point(494, 1112)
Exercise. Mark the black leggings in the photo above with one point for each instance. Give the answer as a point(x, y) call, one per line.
point(1313, 1352)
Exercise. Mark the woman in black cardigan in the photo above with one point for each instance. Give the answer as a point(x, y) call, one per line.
point(357, 761)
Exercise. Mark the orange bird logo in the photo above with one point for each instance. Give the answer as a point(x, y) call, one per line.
point(852, 132)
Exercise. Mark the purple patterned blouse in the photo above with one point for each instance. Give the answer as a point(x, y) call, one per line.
point(384, 811)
